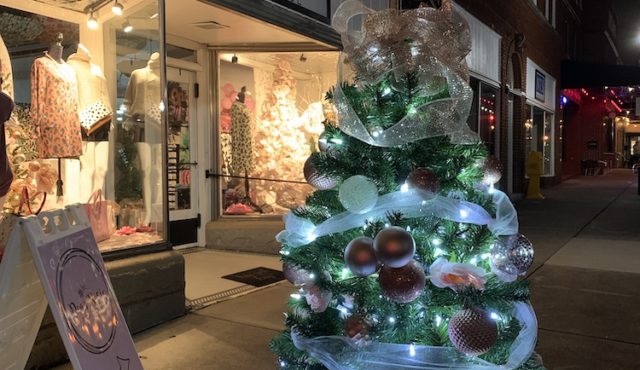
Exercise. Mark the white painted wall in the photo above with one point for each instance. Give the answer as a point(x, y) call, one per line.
point(484, 58)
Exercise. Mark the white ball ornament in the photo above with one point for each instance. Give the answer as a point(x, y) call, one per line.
point(358, 194)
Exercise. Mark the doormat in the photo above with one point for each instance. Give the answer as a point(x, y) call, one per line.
point(259, 276)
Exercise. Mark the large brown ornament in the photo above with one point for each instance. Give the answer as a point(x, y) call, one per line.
point(423, 179)
point(394, 246)
point(360, 256)
point(402, 285)
point(316, 179)
point(472, 331)
point(492, 170)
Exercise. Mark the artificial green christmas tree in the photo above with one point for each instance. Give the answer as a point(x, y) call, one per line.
point(406, 257)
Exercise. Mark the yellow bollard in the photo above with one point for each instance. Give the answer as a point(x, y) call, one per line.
point(534, 170)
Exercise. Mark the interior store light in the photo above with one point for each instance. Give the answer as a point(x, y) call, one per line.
point(127, 27)
point(92, 22)
point(117, 8)
point(234, 59)
point(303, 58)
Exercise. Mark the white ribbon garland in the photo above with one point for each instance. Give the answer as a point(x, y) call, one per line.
point(411, 203)
point(343, 353)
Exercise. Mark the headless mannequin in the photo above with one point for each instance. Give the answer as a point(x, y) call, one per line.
point(95, 158)
point(142, 100)
point(55, 53)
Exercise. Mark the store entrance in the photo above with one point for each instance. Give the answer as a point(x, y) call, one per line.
point(182, 148)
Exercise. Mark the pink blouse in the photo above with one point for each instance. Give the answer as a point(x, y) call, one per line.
point(54, 109)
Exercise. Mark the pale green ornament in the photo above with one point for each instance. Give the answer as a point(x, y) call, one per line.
point(358, 194)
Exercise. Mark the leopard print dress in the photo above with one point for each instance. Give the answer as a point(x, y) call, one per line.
point(241, 140)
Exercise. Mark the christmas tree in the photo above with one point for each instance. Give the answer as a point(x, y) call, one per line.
point(280, 143)
point(406, 257)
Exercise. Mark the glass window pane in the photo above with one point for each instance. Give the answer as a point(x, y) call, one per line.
point(271, 112)
point(488, 114)
point(547, 143)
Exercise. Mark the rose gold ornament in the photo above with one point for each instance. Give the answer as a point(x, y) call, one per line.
point(402, 285)
point(356, 326)
point(360, 256)
point(423, 179)
point(394, 246)
point(316, 179)
point(472, 331)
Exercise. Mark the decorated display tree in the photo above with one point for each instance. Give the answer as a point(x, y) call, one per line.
point(280, 143)
point(405, 257)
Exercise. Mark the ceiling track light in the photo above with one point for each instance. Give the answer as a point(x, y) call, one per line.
point(303, 58)
point(234, 59)
point(92, 22)
point(117, 8)
point(127, 27)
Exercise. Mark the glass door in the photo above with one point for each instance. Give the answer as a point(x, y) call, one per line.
point(182, 158)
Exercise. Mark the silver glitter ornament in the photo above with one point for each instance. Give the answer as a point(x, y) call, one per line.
point(316, 179)
point(512, 255)
point(402, 285)
point(472, 331)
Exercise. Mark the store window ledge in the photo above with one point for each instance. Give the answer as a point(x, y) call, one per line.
point(244, 235)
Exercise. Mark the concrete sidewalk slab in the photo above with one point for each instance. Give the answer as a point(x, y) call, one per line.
point(263, 309)
point(561, 351)
point(600, 254)
point(587, 302)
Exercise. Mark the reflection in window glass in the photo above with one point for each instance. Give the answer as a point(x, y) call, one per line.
point(271, 112)
point(539, 136)
point(488, 114)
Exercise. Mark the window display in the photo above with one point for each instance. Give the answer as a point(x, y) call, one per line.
point(272, 110)
point(65, 137)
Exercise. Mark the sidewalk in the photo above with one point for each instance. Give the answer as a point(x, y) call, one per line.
point(584, 290)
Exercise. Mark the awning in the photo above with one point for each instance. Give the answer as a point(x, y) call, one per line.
point(582, 74)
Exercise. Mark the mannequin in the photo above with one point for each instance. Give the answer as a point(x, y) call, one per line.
point(6, 176)
point(143, 104)
point(95, 114)
point(241, 136)
point(93, 99)
point(54, 108)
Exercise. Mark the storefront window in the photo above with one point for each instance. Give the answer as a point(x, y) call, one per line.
point(88, 123)
point(483, 117)
point(539, 135)
point(272, 110)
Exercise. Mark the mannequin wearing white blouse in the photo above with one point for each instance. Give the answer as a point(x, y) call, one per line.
point(143, 104)
point(92, 91)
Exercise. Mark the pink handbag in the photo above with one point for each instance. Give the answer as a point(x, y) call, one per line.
point(96, 209)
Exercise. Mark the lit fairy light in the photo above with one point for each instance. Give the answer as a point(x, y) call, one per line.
point(438, 252)
point(312, 276)
point(409, 228)
point(386, 91)
point(337, 141)
point(464, 213)
point(413, 110)
point(436, 242)
point(424, 202)
point(495, 316)
point(345, 273)
point(311, 236)
point(392, 320)
point(492, 189)
point(474, 261)
point(438, 320)
point(387, 225)
point(412, 350)
point(284, 252)
point(485, 256)
point(283, 363)
point(404, 188)
point(296, 296)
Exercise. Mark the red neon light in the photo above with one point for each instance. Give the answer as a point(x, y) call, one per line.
point(616, 106)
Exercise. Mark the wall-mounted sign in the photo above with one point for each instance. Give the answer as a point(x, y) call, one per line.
point(540, 85)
